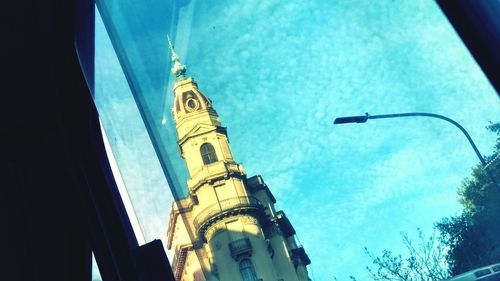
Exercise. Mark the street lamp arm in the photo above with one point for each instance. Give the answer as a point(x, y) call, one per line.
point(483, 162)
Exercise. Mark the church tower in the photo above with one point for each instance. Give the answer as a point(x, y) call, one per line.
point(227, 229)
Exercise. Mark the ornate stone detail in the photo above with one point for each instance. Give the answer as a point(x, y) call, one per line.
point(214, 229)
point(248, 220)
point(214, 173)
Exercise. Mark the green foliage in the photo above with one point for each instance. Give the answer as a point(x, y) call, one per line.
point(473, 237)
point(495, 128)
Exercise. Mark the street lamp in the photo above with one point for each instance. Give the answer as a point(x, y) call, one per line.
point(364, 118)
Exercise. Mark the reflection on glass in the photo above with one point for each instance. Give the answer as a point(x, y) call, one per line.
point(278, 74)
point(144, 190)
point(96, 275)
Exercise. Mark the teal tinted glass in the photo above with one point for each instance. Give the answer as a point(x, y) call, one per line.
point(278, 74)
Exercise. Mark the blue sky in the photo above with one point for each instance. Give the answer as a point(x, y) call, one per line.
point(278, 73)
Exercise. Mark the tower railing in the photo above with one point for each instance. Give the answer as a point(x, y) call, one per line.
point(239, 204)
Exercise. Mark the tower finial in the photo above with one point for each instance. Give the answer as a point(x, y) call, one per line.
point(178, 69)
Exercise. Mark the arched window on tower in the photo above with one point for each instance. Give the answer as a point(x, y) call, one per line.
point(208, 153)
point(247, 271)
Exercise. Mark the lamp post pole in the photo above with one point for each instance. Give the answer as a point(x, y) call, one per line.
point(364, 118)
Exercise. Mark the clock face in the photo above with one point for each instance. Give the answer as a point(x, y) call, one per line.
point(191, 105)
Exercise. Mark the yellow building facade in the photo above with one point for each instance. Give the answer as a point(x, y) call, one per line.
point(227, 229)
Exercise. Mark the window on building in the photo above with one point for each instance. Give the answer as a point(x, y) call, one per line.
point(208, 153)
point(247, 270)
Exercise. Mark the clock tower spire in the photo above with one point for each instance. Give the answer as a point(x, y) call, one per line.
point(238, 234)
point(178, 69)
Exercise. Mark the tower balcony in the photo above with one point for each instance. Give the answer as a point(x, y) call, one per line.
point(226, 208)
point(240, 248)
point(299, 256)
point(284, 224)
point(214, 171)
